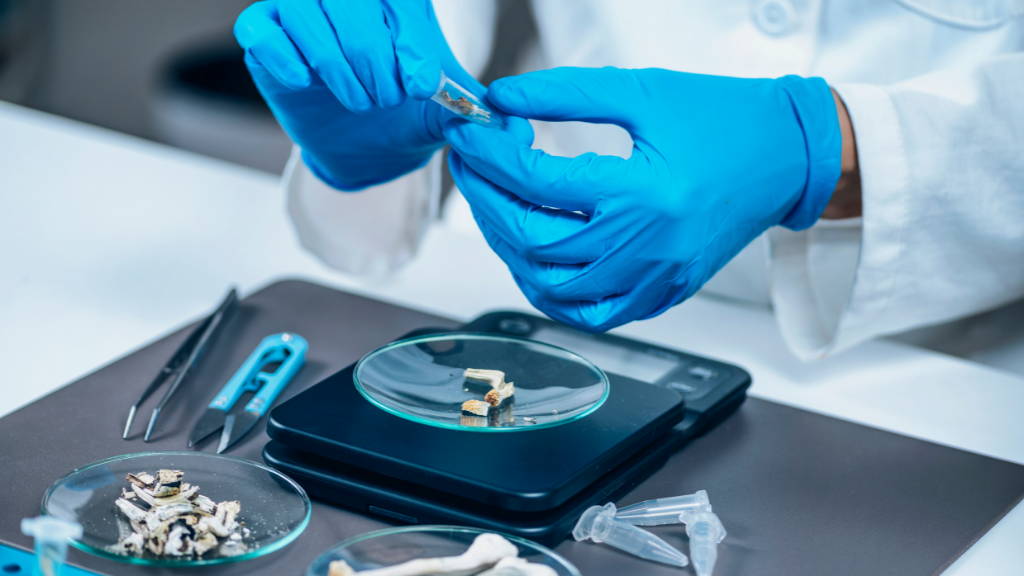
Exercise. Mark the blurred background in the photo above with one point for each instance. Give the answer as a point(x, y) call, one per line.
point(165, 71)
point(168, 71)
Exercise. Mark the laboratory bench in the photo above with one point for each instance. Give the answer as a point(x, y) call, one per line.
point(109, 243)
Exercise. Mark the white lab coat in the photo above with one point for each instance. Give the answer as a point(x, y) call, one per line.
point(934, 89)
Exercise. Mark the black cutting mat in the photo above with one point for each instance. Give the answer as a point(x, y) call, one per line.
point(799, 493)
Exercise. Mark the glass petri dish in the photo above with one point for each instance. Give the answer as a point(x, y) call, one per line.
point(423, 379)
point(274, 508)
point(393, 546)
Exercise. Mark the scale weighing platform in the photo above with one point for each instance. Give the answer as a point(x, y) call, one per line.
point(531, 483)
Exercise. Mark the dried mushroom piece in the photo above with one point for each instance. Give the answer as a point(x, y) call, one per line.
point(169, 517)
point(475, 408)
point(131, 511)
point(485, 551)
point(496, 378)
point(501, 396)
point(499, 400)
point(168, 483)
point(142, 480)
point(519, 567)
point(464, 106)
point(204, 543)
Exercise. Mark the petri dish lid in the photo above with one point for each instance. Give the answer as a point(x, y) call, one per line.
point(423, 379)
point(273, 507)
point(392, 546)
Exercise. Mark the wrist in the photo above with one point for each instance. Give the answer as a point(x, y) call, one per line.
point(846, 201)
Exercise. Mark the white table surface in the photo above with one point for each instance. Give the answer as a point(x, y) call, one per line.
point(108, 242)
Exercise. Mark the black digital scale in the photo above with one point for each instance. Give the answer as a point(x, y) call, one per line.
point(535, 484)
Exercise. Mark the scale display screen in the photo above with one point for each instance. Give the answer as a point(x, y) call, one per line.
point(610, 358)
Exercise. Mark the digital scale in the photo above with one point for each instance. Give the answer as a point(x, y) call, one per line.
point(344, 449)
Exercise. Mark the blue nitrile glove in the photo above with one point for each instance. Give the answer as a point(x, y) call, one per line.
point(349, 80)
point(716, 161)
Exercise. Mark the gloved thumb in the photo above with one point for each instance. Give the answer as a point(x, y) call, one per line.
point(597, 95)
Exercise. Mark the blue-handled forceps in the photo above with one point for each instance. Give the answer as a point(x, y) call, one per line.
point(286, 349)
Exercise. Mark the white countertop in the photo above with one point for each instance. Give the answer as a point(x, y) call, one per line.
point(108, 242)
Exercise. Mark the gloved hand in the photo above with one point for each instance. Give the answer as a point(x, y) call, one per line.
point(598, 241)
point(349, 80)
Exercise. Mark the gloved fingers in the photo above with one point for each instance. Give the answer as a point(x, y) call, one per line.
point(535, 176)
point(585, 315)
point(604, 278)
point(258, 31)
point(642, 301)
point(308, 27)
point(598, 95)
point(553, 281)
point(435, 116)
point(520, 129)
point(538, 233)
point(366, 42)
point(414, 33)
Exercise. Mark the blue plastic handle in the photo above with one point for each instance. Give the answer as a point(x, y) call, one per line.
point(274, 384)
point(287, 348)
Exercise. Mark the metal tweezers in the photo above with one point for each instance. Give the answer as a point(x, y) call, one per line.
point(184, 360)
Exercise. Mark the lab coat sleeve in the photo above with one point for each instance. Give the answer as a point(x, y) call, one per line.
point(377, 230)
point(942, 233)
point(372, 232)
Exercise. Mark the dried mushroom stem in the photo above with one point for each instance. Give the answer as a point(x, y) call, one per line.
point(485, 551)
point(519, 567)
point(496, 378)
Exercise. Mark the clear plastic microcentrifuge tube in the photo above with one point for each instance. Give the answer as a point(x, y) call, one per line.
point(51, 535)
point(598, 523)
point(460, 101)
point(663, 510)
point(706, 532)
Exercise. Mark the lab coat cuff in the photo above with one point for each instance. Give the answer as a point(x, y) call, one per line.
point(885, 188)
point(810, 329)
